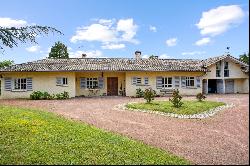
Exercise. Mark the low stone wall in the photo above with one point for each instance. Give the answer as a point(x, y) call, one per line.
point(202, 115)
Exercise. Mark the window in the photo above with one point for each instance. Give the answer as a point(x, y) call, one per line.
point(64, 81)
point(226, 69)
point(167, 82)
point(92, 83)
point(218, 69)
point(138, 80)
point(190, 81)
point(146, 80)
point(20, 84)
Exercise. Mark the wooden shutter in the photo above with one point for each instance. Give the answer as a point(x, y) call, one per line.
point(183, 82)
point(158, 82)
point(101, 82)
point(7, 84)
point(58, 81)
point(198, 82)
point(134, 80)
point(177, 82)
point(82, 82)
point(29, 84)
point(146, 80)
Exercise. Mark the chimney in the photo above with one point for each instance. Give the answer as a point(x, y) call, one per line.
point(137, 55)
point(84, 55)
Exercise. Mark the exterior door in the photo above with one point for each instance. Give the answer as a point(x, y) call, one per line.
point(112, 86)
point(229, 86)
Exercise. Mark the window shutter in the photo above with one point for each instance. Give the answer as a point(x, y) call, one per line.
point(7, 84)
point(58, 81)
point(198, 82)
point(134, 80)
point(177, 82)
point(146, 80)
point(158, 82)
point(101, 82)
point(29, 84)
point(82, 82)
point(183, 82)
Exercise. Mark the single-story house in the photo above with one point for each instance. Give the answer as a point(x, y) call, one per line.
point(122, 76)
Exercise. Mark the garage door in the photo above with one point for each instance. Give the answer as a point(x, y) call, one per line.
point(229, 86)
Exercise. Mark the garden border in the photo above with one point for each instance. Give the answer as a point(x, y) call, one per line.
point(203, 115)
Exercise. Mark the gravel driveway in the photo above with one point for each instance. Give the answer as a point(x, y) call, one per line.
point(222, 139)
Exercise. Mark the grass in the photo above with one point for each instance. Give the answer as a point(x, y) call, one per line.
point(36, 137)
point(188, 108)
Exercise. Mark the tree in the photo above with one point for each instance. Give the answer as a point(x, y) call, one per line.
point(9, 37)
point(59, 50)
point(6, 63)
point(245, 58)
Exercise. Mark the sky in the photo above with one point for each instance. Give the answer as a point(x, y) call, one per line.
point(179, 29)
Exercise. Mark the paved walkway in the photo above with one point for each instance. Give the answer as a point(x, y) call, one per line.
point(221, 139)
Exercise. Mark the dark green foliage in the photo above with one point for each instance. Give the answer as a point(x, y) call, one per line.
point(149, 95)
point(139, 92)
point(6, 63)
point(245, 58)
point(38, 95)
point(10, 37)
point(176, 100)
point(200, 97)
point(59, 50)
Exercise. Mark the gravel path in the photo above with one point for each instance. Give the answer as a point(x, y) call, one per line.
point(221, 139)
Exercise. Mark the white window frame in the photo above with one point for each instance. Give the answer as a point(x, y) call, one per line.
point(64, 81)
point(226, 69)
point(218, 68)
point(20, 84)
point(92, 83)
point(165, 84)
point(188, 82)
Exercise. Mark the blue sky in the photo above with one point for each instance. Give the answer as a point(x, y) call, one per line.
point(192, 29)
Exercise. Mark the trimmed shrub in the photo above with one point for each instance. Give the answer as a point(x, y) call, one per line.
point(139, 93)
point(176, 100)
point(200, 97)
point(36, 95)
point(63, 95)
point(149, 95)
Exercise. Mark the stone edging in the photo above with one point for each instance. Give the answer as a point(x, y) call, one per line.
point(205, 114)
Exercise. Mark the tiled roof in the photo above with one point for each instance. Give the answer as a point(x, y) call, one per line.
point(108, 64)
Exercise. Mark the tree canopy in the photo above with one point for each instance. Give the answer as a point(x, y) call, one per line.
point(245, 58)
point(59, 50)
point(6, 63)
point(9, 37)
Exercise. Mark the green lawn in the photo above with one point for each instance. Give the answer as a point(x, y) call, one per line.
point(188, 108)
point(36, 137)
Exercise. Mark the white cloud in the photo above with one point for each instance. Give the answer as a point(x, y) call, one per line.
point(112, 46)
point(33, 49)
point(8, 22)
point(145, 56)
point(171, 42)
point(164, 56)
point(203, 41)
point(220, 19)
point(89, 53)
point(152, 28)
point(193, 53)
point(107, 31)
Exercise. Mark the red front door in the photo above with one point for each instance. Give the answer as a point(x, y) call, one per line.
point(112, 86)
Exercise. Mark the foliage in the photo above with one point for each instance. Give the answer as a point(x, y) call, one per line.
point(200, 97)
point(32, 137)
point(38, 95)
point(149, 95)
point(188, 108)
point(9, 37)
point(6, 63)
point(63, 95)
point(139, 92)
point(59, 50)
point(176, 100)
point(245, 58)
point(151, 56)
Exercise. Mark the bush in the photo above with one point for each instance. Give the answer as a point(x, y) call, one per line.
point(149, 95)
point(176, 100)
point(38, 95)
point(139, 92)
point(200, 97)
point(63, 95)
